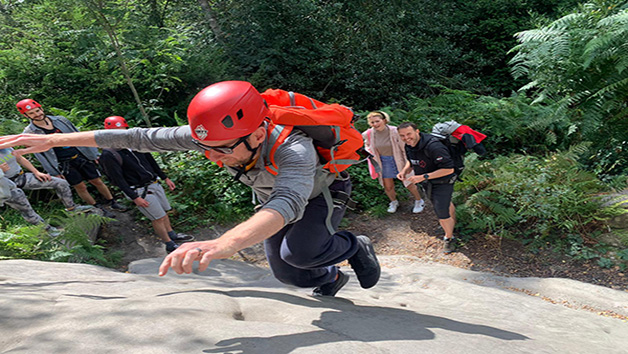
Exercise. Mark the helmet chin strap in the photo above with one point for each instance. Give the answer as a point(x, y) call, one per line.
point(242, 169)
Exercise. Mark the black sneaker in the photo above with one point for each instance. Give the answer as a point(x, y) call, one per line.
point(117, 206)
point(449, 245)
point(170, 249)
point(365, 264)
point(106, 213)
point(330, 289)
point(182, 238)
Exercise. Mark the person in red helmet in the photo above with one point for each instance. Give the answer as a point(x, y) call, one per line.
point(230, 122)
point(115, 122)
point(74, 164)
point(136, 174)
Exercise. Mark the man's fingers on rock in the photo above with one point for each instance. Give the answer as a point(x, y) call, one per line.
point(204, 263)
point(175, 262)
point(188, 260)
point(163, 268)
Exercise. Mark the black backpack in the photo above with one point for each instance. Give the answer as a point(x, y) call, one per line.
point(443, 132)
point(116, 156)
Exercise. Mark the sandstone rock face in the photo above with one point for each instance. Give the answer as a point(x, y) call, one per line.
point(234, 307)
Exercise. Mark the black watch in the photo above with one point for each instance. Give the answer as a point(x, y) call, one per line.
point(426, 176)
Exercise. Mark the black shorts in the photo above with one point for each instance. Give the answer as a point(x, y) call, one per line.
point(78, 170)
point(440, 196)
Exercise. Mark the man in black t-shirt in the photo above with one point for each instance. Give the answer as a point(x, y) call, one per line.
point(434, 170)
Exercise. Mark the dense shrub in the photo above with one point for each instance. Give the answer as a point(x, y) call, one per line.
point(72, 245)
point(538, 200)
point(205, 192)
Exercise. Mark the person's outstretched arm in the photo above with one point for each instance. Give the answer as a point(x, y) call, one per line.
point(138, 139)
point(44, 142)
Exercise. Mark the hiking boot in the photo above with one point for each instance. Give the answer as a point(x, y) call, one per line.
point(53, 231)
point(117, 206)
point(106, 213)
point(80, 209)
point(449, 245)
point(170, 248)
point(419, 205)
point(364, 263)
point(392, 207)
point(182, 238)
point(330, 289)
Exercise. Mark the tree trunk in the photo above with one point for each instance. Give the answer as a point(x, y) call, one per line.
point(211, 18)
point(111, 32)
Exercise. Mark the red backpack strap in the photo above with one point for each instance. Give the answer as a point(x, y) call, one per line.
point(274, 97)
point(276, 135)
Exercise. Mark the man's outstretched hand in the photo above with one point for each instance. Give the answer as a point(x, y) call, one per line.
point(181, 259)
point(33, 142)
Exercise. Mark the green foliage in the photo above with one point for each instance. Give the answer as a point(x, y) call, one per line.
point(540, 200)
point(205, 190)
point(367, 192)
point(72, 245)
point(369, 53)
point(512, 124)
point(578, 63)
point(61, 54)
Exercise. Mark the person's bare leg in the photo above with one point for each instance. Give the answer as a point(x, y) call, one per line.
point(102, 188)
point(389, 189)
point(414, 191)
point(161, 231)
point(81, 190)
point(448, 226)
point(167, 223)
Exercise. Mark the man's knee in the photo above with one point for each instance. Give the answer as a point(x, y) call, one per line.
point(96, 182)
point(292, 278)
point(303, 258)
point(442, 213)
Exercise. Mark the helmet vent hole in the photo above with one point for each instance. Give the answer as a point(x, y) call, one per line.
point(227, 122)
point(239, 114)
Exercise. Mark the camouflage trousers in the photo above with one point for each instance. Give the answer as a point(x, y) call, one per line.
point(19, 202)
point(28, 181)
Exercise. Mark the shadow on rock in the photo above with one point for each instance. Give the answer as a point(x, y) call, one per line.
point(345, 321)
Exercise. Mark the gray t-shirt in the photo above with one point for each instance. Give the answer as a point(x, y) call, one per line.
point(300, 177)
point(14, 167)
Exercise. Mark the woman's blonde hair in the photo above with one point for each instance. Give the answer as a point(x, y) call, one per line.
point(381, 114)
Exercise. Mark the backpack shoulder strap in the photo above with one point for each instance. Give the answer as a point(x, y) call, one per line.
point(276, 135)
point(116, 155)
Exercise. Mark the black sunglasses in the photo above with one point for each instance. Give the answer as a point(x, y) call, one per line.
point(227, 150)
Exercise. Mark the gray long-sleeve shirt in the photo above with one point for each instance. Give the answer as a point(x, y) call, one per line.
point(300, 177)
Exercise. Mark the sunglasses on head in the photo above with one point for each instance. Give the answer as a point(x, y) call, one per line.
point(221, 149)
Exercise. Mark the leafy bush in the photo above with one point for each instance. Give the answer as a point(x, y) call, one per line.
point(367, 192)
point(512, 124)
point(205, 190)
point(72, 245)
point(539, 200)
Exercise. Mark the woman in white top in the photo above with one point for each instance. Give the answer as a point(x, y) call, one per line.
point(383, 142)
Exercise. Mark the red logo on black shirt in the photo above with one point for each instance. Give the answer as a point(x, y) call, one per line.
point(422, 164)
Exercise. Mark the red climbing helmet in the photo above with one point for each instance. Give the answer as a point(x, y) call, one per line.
point(226, 110)
point(115, 122)
point(26, 105)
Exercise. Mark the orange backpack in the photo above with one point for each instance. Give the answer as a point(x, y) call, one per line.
point(329, 125)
